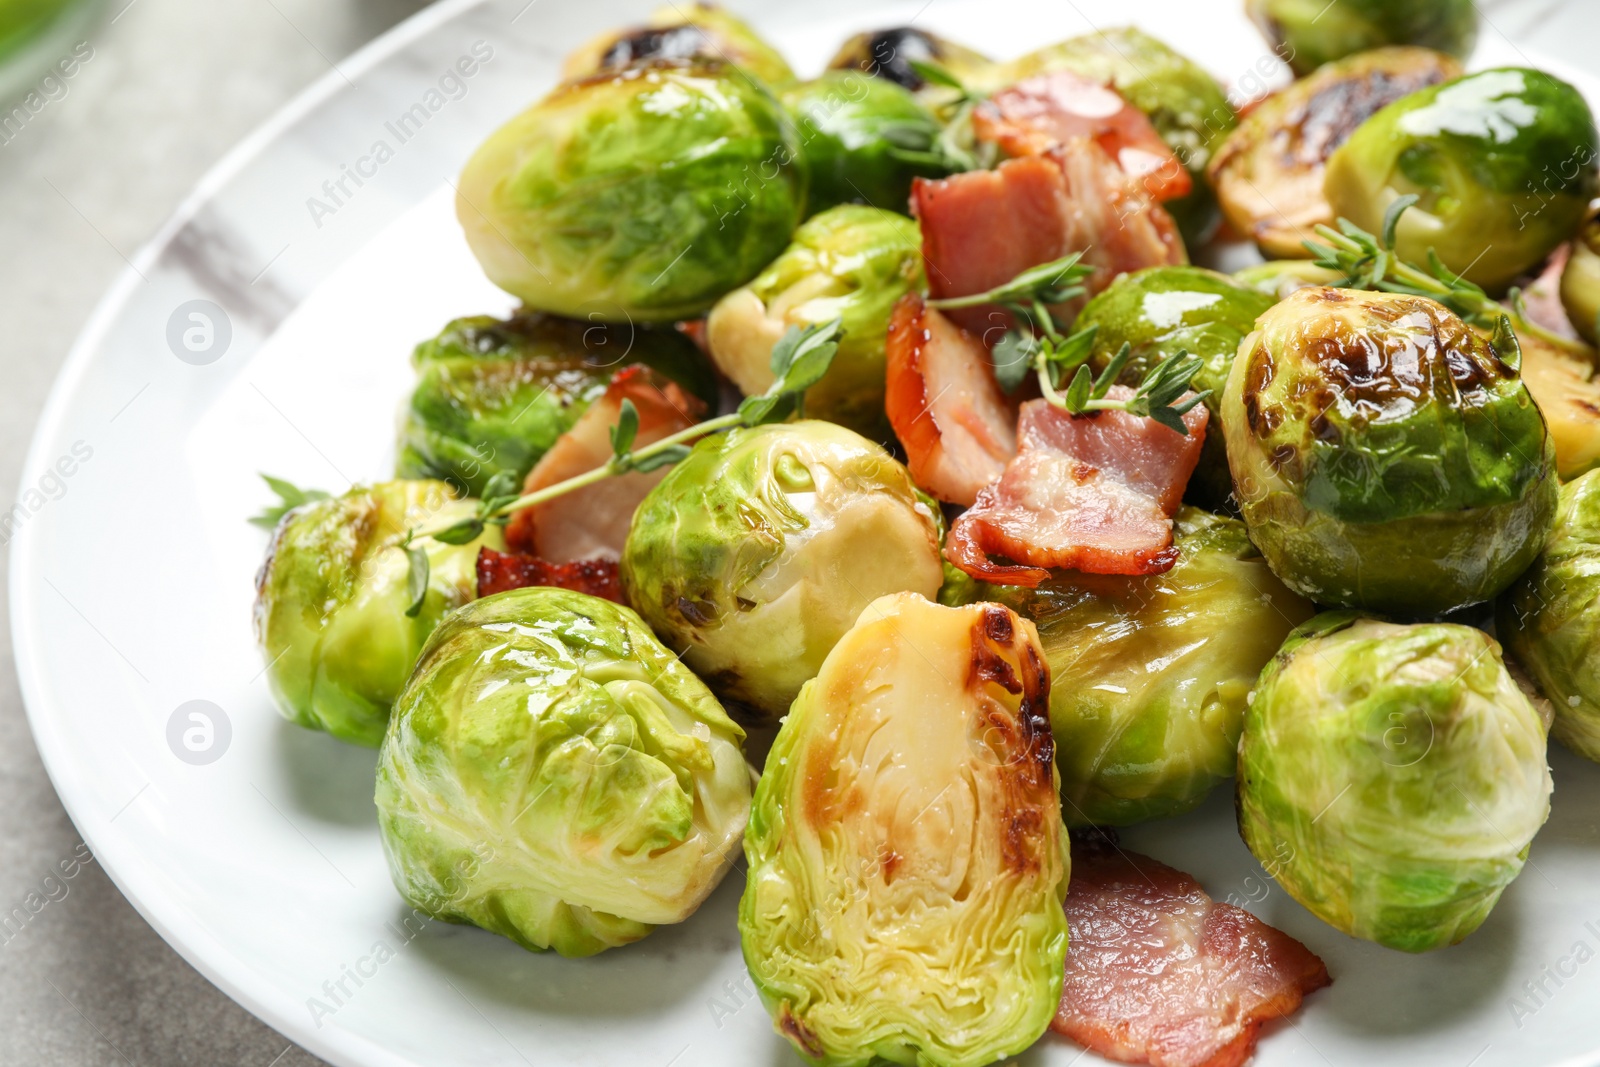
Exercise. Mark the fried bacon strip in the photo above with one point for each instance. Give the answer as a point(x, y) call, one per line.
point(1093, 493)
point(499, 571)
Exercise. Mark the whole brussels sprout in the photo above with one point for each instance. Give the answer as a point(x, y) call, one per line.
point(552, 774)
point(1149, 675)
point(889, 53)
point(1185, 104)
point(1161, 311)
point(641, 196)
point(1386, 456)
point(1550, 620)
point(690, 31)
point(1580, 282)
point(908, 864)
point(1309, 33)
point(1504, 163)
point(865, 139)
point(850, 263)
point(757, 552)
point(493, 394)
point(1391, 777)
point(331, 601)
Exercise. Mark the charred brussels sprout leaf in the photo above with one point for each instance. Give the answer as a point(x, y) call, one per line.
point(906, 843)
point(896, 54)
point(1384, 454)
point(554, 775)
point(1391, 777)
point(493, 394)
point(334, 602)
point(850, 263)
point(1503, 162)
point(1550, 620)
point(759, 550)
point(1309, 33)
point(1580, 282)
point(640, 196)
point(680, 32)
point(1149, 675)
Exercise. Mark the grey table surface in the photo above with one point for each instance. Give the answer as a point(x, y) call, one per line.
point(172, 85)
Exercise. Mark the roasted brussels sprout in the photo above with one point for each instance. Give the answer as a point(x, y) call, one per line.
point(907, 860)
point(1391, 777)
point(331, 601)
point(1186, 105)
point(1568, 394)
point(1161, 311)
point(493, 394)
point(1550, 620)
point(1309, 33)
point(638, 196)
point(554, 775)
point(687, 31)
point(761, 548)
point(1580, 282)
point(849, 263)
point(1385, 456)
point(1268, 174)
point(888, 54)
point(1504, 163)
point(1150, 674)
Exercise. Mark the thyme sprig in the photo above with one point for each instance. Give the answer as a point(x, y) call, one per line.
point(290, 496)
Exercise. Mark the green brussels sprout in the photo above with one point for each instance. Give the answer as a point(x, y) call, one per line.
point(1161, 311)
point(850, 263)
point(331, 601)
point(1280, 277)
point(1504, 163)
point(554, 775)
point(687, 31)
point(907, 860)
point(1149, 674)
point(888, 54)
point(758, 551)
point(1309, 33)
point(493, 394)
point(1386, 456)
point(639, 196)
point(865, 139)
point(1580, 281)
point(1550, 620)
point(1185, 104)
point(1391, 777)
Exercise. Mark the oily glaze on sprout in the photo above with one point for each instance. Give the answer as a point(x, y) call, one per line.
point(1391, 777)
point(1385, 455)
point(636, 196)
point(682, 31)
point(554, 775)
point(1309, 33)
point(889, 54)
point(907, 859)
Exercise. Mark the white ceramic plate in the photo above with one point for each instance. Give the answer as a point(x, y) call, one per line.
point(131, 591)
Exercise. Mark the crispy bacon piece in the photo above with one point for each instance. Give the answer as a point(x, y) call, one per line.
point(592, 522)
point(1037, 114)
point(499, 571)
point(1093, 493)
point(955, 423)
point(1159, 973)
point(983, 228)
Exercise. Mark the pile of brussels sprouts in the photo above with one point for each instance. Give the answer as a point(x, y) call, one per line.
point(1390, 434)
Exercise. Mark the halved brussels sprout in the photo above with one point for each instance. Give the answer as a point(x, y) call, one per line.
point(1149, 675)
point(888, 54)
point(1186, 105)
point(1504, 161)
point(1309, 33)
point(1280, 277)
point(493, 394)
point(907, 860)
point(1268, 174)
point(1550, 620)
point(1391, 777)
point(552, 774)
point(331, 600)
point(850, 263)
point(1580, 282)
point(758, 551)
point(1161, 311)
point(688, 31)
point(1568, 394)
point(1385, 456)
point(637, 196)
